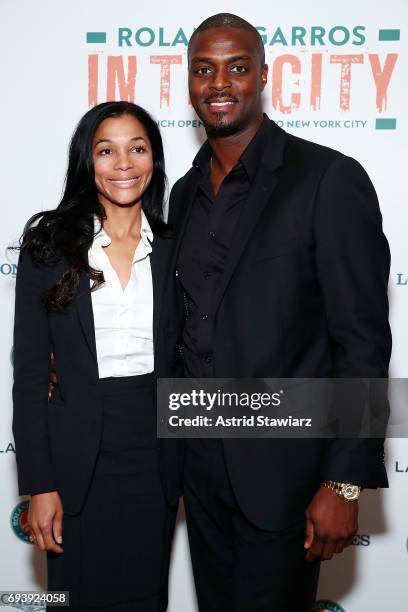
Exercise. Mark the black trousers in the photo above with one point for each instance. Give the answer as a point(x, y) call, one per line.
point(237, 566)
point(117, 550)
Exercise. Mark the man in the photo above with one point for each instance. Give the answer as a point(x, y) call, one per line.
point(280, 269)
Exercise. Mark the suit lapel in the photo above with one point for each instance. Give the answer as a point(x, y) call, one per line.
point(158, 262)
point(260, 194)
point(85, 313)
point(180, 222)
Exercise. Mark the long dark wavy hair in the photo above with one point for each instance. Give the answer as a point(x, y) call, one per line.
point(67, 232)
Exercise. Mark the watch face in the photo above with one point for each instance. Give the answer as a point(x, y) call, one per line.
point(350, 492)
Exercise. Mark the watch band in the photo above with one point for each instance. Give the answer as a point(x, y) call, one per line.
point(347, 491)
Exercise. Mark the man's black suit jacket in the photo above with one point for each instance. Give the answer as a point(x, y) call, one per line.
point(303, 294)
point(57, 440)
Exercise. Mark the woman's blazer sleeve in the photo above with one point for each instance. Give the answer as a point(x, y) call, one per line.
point(32, 353)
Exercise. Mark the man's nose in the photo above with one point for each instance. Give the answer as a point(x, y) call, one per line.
point(221, 79)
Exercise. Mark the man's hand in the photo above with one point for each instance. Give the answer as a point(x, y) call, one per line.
point(45, 520)
point(331, 523)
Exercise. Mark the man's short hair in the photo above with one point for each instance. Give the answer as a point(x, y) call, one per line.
point(231, 21)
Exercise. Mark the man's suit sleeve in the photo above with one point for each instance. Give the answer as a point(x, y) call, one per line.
point(353, 263)
point(32, 363)
point(174, 298)
point(174, 202)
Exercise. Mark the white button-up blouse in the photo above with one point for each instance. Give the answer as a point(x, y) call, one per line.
point(123, 318)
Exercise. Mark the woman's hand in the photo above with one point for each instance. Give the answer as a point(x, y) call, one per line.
point(45, 520)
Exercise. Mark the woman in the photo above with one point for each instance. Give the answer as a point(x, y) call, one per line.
point(88, 288)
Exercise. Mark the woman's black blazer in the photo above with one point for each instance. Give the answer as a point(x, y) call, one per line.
point(57, 440)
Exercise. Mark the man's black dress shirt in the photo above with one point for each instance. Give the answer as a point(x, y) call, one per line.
point(207, 239)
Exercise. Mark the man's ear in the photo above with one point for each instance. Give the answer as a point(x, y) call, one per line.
point(264, 75)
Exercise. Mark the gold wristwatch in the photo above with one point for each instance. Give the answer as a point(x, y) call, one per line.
point(348, 492)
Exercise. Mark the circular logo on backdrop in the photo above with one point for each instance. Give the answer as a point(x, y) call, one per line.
point(19, 521)
point(326, 605)
point(23, 607)
point(8, 269)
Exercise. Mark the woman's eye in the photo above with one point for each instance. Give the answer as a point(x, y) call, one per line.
point(139, 149)
point(105, 151)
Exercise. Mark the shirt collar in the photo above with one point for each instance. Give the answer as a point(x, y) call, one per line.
point(145, 230)
point(250, 158)
point(203, 158)
point(102, 238)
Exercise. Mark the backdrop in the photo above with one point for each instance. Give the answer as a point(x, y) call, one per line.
point(337, 76)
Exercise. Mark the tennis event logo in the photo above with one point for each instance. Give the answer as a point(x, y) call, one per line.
point(19, 521)
point(24, 607)
point(8, 269)
point(326, 605)
point(320, 76)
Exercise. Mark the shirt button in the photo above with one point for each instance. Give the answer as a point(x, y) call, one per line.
point(212, 234)
point(204, 317)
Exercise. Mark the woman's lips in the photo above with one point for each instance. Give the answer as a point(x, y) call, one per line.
point(130, 182)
